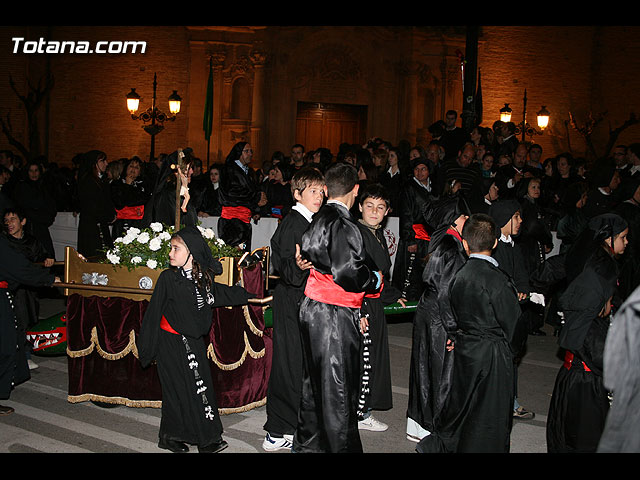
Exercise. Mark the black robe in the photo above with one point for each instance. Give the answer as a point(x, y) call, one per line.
point(478, 413)
point(123, 195)
point(285, 379)
point(379, 376)
point(96, 213)
point(237, 189)
point(40, 210)
point(408, 267)
point(189, 415)
point(327, 421)
point(15, 270)
point(163, 210)
point(434, 323)
point(579, 403)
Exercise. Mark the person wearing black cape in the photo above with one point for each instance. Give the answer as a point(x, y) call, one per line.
point(580, 402)
point(15, 269)
point(163, 200)
point(374, 204)
point(177, 319)
point(434, 324)
point(239, 196)
point(330, 319)
point(285, 379)
point(478, 412)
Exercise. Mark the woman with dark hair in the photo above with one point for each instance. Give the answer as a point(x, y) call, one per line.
point(580, 401)
point(240, 198)
point(278, 191)
point(210, 204)
point(130, 194)
point(96, 208)
point(37, 204)
point(392, 177)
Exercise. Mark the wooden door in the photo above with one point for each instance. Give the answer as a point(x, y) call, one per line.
point(329, 125)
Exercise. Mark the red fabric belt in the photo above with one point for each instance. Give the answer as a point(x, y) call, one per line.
point(568, 361)
point(4, 284)
point(164, 324)
point(241, 213)
point(131, 213)
point(421, 232)
point(322, 288)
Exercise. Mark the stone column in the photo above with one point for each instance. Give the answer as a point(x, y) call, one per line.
point(257, 108)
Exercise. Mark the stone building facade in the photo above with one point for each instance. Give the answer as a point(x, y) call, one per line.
point(316, 85)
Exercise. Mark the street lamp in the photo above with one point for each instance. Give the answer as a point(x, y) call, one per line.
point(152, 117)
point(524, 127)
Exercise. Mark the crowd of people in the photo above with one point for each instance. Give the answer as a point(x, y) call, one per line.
point(479, 214)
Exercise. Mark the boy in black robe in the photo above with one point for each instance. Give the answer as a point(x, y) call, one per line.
point(374, 203)
point(477, 414)
point(285, 379)
point(330, 318)
point(172, 333)
point(15, 269)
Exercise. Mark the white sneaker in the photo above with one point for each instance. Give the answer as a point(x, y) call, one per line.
point(271, 444)
point(373, 424)
point(32, 365)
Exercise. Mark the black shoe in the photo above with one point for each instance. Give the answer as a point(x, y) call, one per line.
point(5, 410)
point(173, 446)
point(214, 447)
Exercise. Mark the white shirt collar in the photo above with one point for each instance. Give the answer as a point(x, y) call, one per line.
point(427, 187)
point(484, 257)
point(304, 211)
point(242, 166)
point(506, 239)
point(337, 202)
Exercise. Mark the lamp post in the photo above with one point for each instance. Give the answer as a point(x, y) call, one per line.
point(523, 127)
point(152, 117)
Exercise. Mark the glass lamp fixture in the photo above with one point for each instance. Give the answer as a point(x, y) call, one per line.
point(174, 103)
point(543, 118)
point(133, 101)
point(505, 113)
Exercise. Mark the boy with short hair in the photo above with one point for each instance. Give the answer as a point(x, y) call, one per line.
point(330, 320)
point(374, 203)
point(285, 381)
point(477, 415)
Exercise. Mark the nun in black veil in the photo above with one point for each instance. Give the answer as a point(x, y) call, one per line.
point(434, 324)
point(580, 401)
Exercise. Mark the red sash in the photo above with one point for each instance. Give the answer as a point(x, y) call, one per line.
point(131, 213)
point(241, 213)
point(164, 324)
point(421, 232)
point(322, 288)
point(4, 284)
point(568, 361)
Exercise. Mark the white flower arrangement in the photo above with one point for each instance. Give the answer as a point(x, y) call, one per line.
point(150, 247)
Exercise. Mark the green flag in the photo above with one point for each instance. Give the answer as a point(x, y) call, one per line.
point(207, 121)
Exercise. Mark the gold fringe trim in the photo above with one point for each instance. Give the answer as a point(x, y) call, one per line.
point(154, 403)
point(252, 326)
point(232, 366)
point(95, 343)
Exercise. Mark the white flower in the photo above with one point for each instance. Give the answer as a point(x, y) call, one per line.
point(118, 240)
point(155, 244)
point(151, 263)
point(112, 257)
point(133, 231)
point(156, 226)
point(220, 242)
point(136, 259)
point(208, 233)
point(165, 236)
point(143, 237)
point(127, 239)
point(200, 228)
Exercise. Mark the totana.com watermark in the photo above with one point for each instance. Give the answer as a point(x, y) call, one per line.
point(20, 45)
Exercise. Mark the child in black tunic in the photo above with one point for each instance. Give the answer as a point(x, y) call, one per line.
point(285, 380)
point(172, 333)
